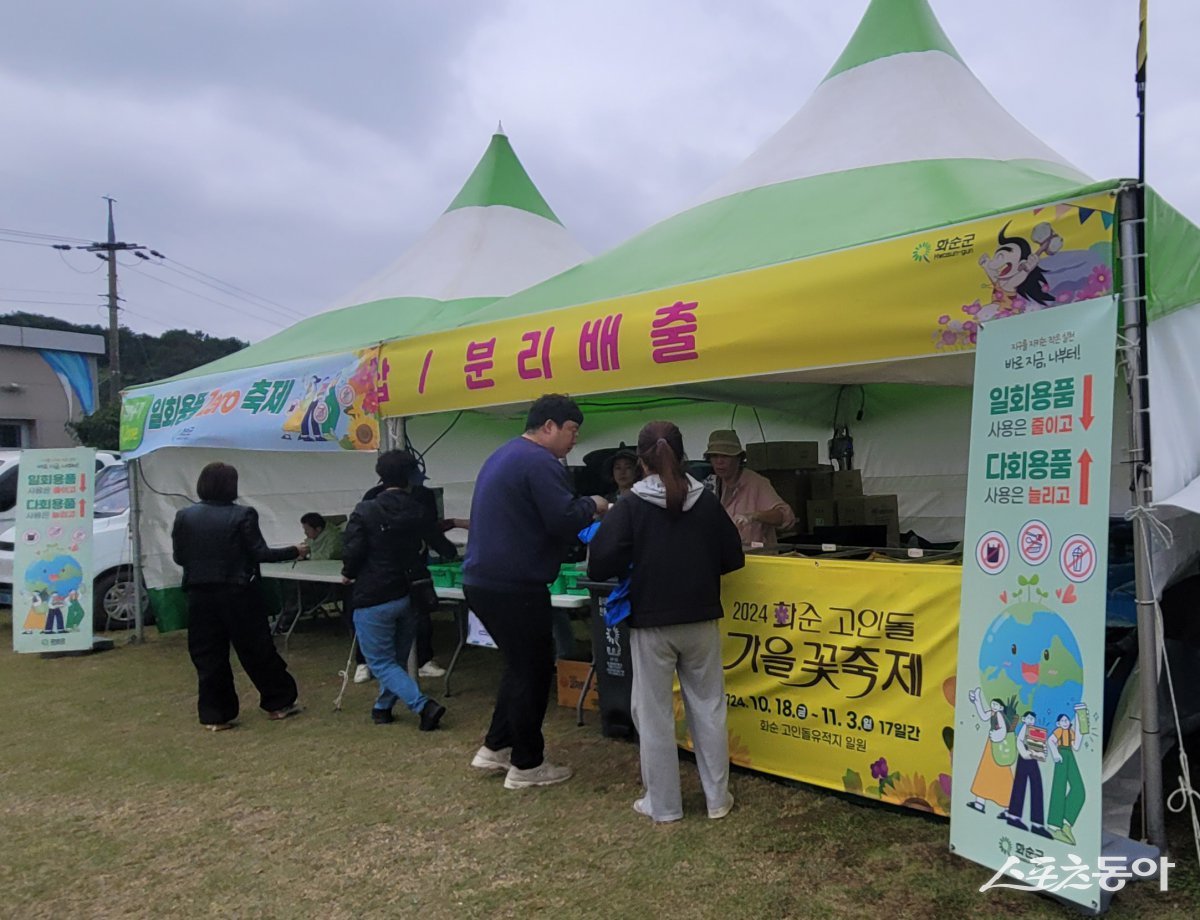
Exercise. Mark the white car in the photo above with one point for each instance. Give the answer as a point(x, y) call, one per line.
point(112, 554)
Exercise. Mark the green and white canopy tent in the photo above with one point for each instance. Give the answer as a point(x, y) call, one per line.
point(830, 258)
point(899, 144)
point(497, 236)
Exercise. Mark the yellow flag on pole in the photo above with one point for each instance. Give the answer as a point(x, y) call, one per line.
point(1141, 49)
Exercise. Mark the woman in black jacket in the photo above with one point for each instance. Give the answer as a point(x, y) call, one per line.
point(679, 541)
point(219, 546)
point(380, 555)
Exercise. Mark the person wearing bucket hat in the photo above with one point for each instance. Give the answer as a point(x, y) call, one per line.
point(621, 469)
point(747, 497)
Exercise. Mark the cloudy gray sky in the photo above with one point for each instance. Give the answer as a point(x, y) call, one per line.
point(292, 148)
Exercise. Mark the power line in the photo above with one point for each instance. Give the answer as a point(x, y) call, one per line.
point(78, 271)
point(27, 243)
point(239, 310)
point(228, 284)
point(45, 303)
point(43, 236)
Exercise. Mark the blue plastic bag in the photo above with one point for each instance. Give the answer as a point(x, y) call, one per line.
point(616, 607)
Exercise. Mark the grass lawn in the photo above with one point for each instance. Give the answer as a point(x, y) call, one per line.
point(115, 803)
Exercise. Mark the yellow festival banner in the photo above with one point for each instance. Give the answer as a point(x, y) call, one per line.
point(913, 296)
point(841, 674)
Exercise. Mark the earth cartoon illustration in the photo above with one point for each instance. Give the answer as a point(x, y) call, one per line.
point(59, 575)
point(1029, 655)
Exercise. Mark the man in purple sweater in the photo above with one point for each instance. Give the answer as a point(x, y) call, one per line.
point(524, 518)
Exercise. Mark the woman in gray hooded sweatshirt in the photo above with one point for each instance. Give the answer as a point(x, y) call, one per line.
point(679, 542)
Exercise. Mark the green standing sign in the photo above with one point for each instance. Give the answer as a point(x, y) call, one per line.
point(1027, 745)
point(52, 553)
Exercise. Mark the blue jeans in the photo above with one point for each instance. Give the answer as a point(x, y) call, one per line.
point(385, 634)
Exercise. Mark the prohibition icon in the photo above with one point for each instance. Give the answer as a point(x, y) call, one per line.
point(992, 552)
point(1077, 558)
point(1034, 543)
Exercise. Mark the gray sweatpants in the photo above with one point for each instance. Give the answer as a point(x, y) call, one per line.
point(694, 651)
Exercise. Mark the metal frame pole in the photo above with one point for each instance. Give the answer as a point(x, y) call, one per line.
point(135, 530)
point(1133, 302)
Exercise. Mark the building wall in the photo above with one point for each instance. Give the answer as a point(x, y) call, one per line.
point(31, 392)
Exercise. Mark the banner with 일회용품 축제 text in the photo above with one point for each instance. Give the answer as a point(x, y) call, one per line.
point(328, 402)
point(841, 673)
point(52, 551)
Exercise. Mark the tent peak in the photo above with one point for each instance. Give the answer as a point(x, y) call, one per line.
point(891, 27)
point(500, 179)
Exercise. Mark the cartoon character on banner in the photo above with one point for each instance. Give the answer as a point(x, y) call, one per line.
point(1030, 663)
point(35, 619)
point(75, 612)
point(53, 580)
point(339, 407)
point(1027, 275)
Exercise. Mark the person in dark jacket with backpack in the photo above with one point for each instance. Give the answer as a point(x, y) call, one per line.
point(381, 548)
point(219, 545)
point(679, 541)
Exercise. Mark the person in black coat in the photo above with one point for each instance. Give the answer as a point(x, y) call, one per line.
point(381, 552)
point(679, 542)
point(219, 545)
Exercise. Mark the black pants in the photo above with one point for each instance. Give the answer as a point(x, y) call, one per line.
point(520, 624)
point(220, 616)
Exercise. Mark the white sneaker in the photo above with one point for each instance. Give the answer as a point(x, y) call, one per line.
point(431, 669)
point(362, 674)
point(495, 761)
point(718, 813)
point(544, 774)
point(643, 809)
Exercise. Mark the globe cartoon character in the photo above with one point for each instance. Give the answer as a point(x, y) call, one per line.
point(1030, 655)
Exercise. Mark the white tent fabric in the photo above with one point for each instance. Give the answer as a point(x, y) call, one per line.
point(879, 113)
point(475, 252)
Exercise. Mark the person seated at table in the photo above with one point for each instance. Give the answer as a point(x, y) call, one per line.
point(621, 469)
point(324, 540)
point(382, 545)
point(747, 497)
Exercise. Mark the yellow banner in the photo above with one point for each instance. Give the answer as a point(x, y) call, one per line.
point(841, 674)
point(913, 296)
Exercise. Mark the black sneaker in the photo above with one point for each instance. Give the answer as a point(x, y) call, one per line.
point(382, 716)
point(431, 715)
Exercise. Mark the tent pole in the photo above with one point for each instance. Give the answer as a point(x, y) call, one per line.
point(135, 529)
point(1133, 303)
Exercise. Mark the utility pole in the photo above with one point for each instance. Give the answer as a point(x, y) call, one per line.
point(108, 252)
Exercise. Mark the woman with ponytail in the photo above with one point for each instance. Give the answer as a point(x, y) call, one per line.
point(676, 541)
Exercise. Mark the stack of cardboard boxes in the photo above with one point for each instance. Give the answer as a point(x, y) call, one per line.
point(820, 495)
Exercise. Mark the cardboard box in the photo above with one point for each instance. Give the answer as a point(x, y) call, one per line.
point(781, 455)
point(792, 455)
point(571, 675)
point(820, 485)
point(820, 513)
point(787, 484)
point(851, 511)
point(884, 509)
point(847, 483)
point(758, 456)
